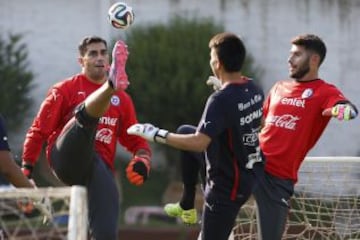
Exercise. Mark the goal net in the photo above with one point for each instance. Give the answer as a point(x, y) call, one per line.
point(326, 203)
point(25, 213)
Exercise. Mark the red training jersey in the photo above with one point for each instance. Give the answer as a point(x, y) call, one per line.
point(58, 108)
point(294, 123)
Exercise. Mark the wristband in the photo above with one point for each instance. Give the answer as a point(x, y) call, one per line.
point(160, 136)
point(27, 169)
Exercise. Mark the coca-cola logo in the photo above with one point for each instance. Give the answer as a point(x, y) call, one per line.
point(287, 121)
point(104, 135)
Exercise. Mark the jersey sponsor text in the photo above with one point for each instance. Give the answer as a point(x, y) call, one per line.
point(104, 135)
point(250, 117)
point(108, 121)
point(287, 121)
point(296, 102)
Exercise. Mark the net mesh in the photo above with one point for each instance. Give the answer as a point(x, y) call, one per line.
point(326, 203)
point(24, 213)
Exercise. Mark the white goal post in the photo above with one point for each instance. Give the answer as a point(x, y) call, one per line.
point(68, 220)
point(326, 203)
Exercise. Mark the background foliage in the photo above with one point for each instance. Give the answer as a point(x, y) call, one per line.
point(168, 66)
point(15, 80)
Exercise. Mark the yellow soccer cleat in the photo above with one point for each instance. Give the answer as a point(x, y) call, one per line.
point(187, 216)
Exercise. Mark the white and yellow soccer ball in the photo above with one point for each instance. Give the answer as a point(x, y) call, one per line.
point(121, 15)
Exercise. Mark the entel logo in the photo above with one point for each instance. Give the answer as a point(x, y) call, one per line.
point(293, 102)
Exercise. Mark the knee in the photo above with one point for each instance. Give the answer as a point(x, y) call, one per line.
point(83, 117)
point(186, 129)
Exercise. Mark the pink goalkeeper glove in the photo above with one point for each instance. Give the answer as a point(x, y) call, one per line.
point(341, 112)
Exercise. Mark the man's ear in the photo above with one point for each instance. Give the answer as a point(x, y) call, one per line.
point(81, 61)
point(315, 59)
point(216, 64)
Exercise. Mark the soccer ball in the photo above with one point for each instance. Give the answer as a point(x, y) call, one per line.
point(121, 15)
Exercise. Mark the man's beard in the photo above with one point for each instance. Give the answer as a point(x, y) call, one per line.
point(301, 72)
point(97, 76)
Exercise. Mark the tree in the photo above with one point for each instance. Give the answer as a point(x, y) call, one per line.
point(15, 83)
point(168, 66)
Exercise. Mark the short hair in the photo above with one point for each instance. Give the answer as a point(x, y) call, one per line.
point(311, 42)
point(86, 41)
point(230, 50)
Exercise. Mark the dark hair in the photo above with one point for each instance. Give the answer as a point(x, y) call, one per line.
point(311, 42)
point(230, 50)
point(86, 41)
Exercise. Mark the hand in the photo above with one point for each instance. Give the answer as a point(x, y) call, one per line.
point(341, 112)
point(138, 170)
point(27, 169)
point(148, 132)
point(214, 82)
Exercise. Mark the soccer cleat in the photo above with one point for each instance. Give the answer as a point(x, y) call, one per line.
point(118, 78)
point(175, 210)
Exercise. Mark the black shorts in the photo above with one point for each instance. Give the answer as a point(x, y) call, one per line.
point(75, 162)
point(272, 196)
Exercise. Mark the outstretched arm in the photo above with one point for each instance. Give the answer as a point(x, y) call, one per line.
point(196, 142)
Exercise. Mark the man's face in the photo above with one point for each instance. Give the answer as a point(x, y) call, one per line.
point(214, 62)
point(95, 61)
point(299, 62)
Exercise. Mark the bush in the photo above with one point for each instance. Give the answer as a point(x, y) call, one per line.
point(15, 84)
point(168, 66)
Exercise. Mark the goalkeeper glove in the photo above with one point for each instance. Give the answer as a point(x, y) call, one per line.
point(214, 82)
point(149, 132)
point(138, 170)
point(341, 112)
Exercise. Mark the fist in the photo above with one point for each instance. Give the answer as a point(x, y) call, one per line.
point(138, 170)
point(214, 82)
point(341, 112)
point(148, 132)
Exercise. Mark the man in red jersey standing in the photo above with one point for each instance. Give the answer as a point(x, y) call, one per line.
point(82, 119)
point(296, 113)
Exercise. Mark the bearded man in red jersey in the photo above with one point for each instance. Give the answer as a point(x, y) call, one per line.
point(81, 119)
point(296, 113)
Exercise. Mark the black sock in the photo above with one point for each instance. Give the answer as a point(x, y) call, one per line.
point(188, 197)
